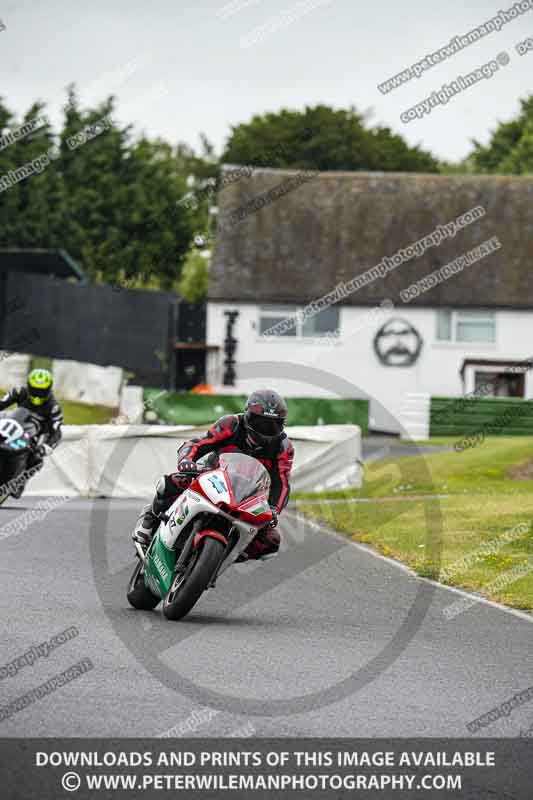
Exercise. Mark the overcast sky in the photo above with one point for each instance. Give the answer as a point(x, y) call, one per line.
point(180, 68)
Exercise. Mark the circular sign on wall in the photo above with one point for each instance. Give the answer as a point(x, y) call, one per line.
point(397, 343)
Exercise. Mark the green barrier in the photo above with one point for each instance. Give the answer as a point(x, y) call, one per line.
point(493, 416)
point(175, 408)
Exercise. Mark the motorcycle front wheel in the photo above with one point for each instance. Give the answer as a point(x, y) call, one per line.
point(10, 468)
point(187, 587)
point(138, 595)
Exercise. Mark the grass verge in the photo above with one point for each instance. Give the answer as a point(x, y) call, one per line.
point(487, 517)
point(81, 414)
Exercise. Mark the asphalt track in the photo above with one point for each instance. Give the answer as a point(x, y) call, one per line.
point(294, 626)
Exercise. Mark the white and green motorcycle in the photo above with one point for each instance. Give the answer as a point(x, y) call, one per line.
point(205, 531)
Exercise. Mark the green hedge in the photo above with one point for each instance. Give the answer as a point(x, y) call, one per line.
point(494, 416)
point(177, 408)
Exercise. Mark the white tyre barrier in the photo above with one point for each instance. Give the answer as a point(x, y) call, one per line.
point(126, 461)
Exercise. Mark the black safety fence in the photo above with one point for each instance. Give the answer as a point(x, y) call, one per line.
point(133, 329)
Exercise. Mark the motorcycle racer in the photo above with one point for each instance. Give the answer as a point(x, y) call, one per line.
point(257, 432)
point(37, 397)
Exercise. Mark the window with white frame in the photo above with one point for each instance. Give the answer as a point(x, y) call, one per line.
point(466, 326)
point(288, 321)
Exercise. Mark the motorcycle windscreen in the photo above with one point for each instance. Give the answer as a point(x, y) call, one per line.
point(247, 476)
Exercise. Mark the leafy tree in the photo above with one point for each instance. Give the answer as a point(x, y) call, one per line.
point(201, 167)
point(109, 200)
point(203, 174)
point(94, 174)
point(193, 282)
point(457, 167)
point(322, 138)
point(392, 154)
point(124, 219)
point(26, 213)
point(510, 149)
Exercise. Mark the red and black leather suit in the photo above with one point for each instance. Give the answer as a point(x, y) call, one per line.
point(228, 435)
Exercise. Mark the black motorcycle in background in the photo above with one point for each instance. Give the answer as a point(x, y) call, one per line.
point(20, 437)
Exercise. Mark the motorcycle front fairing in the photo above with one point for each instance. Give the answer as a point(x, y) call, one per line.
point(239, 487)
point(236, 491)
point(18, 432)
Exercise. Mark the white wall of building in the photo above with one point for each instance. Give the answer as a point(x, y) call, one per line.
point(352, 356)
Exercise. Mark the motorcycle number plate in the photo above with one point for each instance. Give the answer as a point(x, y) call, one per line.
point(214, 485)
point(11, 430)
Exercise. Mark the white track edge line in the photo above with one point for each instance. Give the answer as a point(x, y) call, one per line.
point(515, 612)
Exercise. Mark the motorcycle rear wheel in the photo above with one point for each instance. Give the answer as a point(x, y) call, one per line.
point(138, 595)
point(187, 589)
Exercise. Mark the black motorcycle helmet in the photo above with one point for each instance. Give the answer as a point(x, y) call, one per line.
point(264, 417)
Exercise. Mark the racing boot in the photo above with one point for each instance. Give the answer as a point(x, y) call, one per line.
point(264, 545)
point(146, 526)
point(150, 517)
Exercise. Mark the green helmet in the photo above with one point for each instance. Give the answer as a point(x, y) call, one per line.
point(39, 386)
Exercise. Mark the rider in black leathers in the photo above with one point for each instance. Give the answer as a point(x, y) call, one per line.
point(37, 397)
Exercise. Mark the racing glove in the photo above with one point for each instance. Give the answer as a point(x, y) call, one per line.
point(187, 466)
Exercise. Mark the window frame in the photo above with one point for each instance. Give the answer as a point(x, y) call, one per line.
point(288, 312)
point(458, 316)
